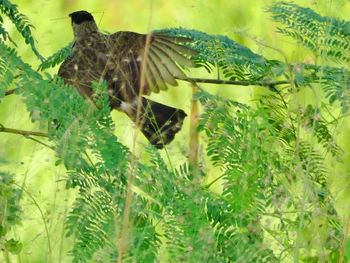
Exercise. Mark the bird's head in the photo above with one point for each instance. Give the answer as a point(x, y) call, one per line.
point(79, 17)
point(83, 23)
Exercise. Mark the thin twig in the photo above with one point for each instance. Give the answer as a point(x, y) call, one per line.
point(42, 217)
point(27, 135)
point(40, 142)
point(194, 137)
point(215, 81)
point(123, 238)
point(236, 82)
point(214, 181)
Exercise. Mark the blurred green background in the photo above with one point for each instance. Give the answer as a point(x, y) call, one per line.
point(244, 21)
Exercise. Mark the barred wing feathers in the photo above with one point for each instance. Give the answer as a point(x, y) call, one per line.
point(160, 58)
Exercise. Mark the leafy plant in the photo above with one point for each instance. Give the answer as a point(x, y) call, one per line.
point(325, 36)
point(10, 214)
point(274, 202)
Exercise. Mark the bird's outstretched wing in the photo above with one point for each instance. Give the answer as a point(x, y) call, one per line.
point(157, 58)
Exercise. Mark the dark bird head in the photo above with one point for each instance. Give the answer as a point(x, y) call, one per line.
point(79, 17)
point(83, 23)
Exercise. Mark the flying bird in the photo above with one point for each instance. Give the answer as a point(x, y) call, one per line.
point(132, 65)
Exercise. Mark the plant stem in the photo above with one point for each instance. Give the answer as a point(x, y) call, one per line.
point(343, 243)
point(27, 135)
point(42, 217)
point(236, 82)
point(214, 181)
point(214, 81)
point(22, 132)
point(194, 137)
point(123, 237)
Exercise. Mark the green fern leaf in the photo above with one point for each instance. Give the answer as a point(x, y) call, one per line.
point(22, 24)
point(326, 36)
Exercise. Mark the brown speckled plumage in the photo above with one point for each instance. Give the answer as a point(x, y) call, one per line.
point(119, 59)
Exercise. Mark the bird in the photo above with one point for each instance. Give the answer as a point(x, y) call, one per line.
point(133, 65)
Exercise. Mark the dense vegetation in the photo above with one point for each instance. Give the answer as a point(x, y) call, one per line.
point(274, 203)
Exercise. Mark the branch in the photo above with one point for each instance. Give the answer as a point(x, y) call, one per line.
point(40, 142)
point(22, 132)
point(27, 135)
point(236, 82)
point(194, 137)
point(215, 81)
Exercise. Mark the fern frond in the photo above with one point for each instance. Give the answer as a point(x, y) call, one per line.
point(336, 84)
point(145, 240)
point(56, 58)
point(3, 33)
point(283, 124)
point(79, 128)
point(239, 235)
point(236, 61)
point(22, 24)
point(334, 81)
point(278, 115)
point(6, 76)
point(90, 221)
point(313, 120)
point(7, 67)
point(326, 36)
point(180, 211)
point(10, 67)
point(263, 161)
point(312, 163)
point(10, 212)
point(10, 209)
point(256, 157)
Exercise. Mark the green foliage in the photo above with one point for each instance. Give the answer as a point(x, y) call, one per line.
point(93, 213)
point(10, 212)
point(257, 155)
point(235, 61)
point(3, 33)
point(274, 204)
point(179, 209)
point(80, 128)
point(21, 22)
point(326, 36)
point(56, 59)
point(334, 81)
point(5, 75)
point(313, 120)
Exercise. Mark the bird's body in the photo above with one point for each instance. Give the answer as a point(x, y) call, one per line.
point(132, 64)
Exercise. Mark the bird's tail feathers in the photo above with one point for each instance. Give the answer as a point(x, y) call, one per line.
point(158, 122)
